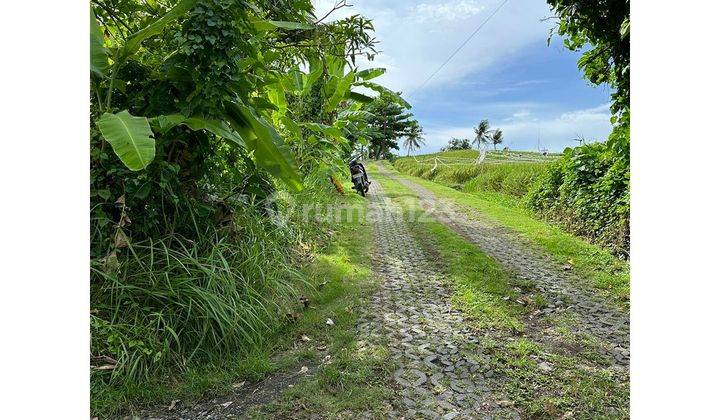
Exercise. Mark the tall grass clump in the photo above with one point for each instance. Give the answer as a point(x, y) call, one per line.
point(509, 178)
point(163, 305)
point(174, 301)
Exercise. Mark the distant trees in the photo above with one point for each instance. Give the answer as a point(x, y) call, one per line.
point(496, 138)
point(456, 144)
point(484, 135)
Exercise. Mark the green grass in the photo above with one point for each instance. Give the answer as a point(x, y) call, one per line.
point(599, 266)
point(355, 380)
point(483, 289)
point(578, 385)
point(356, 376)
point(469, 156)
point(335, 279)
point(572, 387)
point(498, 172)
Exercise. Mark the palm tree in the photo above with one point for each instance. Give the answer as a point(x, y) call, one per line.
point(414, 139)
point(496, 138)
point(482, 132)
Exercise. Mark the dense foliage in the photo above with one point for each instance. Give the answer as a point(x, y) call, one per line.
point(212, 122)
point(456, 144)
point(389, 122)
point(602, 28)
point(588, 190)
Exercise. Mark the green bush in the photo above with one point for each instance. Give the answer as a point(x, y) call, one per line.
point(161, 305)
point(588, 192)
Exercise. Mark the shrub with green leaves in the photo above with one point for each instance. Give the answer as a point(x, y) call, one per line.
point(209, 118)
point(588, 192)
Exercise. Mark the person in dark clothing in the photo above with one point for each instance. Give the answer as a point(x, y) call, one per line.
point(357, 166)
point(356, 163)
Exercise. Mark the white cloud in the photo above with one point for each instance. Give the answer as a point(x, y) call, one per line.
point(522, 131)
point(416, 38)
point(449, 11)
point(599, 113)
point(521, 114)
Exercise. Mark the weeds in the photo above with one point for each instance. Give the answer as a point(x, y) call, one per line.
point(175, 310)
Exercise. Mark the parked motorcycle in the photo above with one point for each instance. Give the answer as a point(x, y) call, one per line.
point(360, 181)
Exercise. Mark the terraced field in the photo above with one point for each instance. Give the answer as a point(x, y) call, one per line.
point(507, 172)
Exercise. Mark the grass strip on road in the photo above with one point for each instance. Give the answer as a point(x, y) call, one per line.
point(600, 267)
point(353, 376)
point(542, 380)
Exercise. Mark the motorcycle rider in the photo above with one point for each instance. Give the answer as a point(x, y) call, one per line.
point(354, 163)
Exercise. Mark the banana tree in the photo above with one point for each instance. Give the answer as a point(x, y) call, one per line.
point(132, 138)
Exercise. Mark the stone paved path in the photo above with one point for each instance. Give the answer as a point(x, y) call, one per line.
point(566, 293)
point(441, 369)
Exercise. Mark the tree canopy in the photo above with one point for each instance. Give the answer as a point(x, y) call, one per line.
point(482, 131)
point(389, 122)
point(456, 144)
point(604, 27)
point(192, 96)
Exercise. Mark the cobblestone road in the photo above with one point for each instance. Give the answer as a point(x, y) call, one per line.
point(567, 294)
point(441, 371)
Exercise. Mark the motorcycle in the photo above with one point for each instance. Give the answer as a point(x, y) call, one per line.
point(359, 178)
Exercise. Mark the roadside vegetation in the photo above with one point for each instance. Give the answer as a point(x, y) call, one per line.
point(592, 203)
point(500, 175)
point(350, 376)
point(588, 190)
point(213, 125)
point(331, 281)
point(542, 379)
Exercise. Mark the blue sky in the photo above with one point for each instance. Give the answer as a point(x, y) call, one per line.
point(507, 73)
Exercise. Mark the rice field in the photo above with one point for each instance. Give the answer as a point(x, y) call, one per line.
point(507, 172)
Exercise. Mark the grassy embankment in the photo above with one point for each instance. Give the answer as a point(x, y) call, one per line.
point(502, 202)
point(335, 278)
point(579, 384)
point(508, 172)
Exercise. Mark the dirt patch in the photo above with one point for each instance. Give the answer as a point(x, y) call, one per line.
point(234, 404)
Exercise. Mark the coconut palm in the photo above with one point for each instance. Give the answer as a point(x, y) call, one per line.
point(414, 140)
point(496, 138)
point(482, 132)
